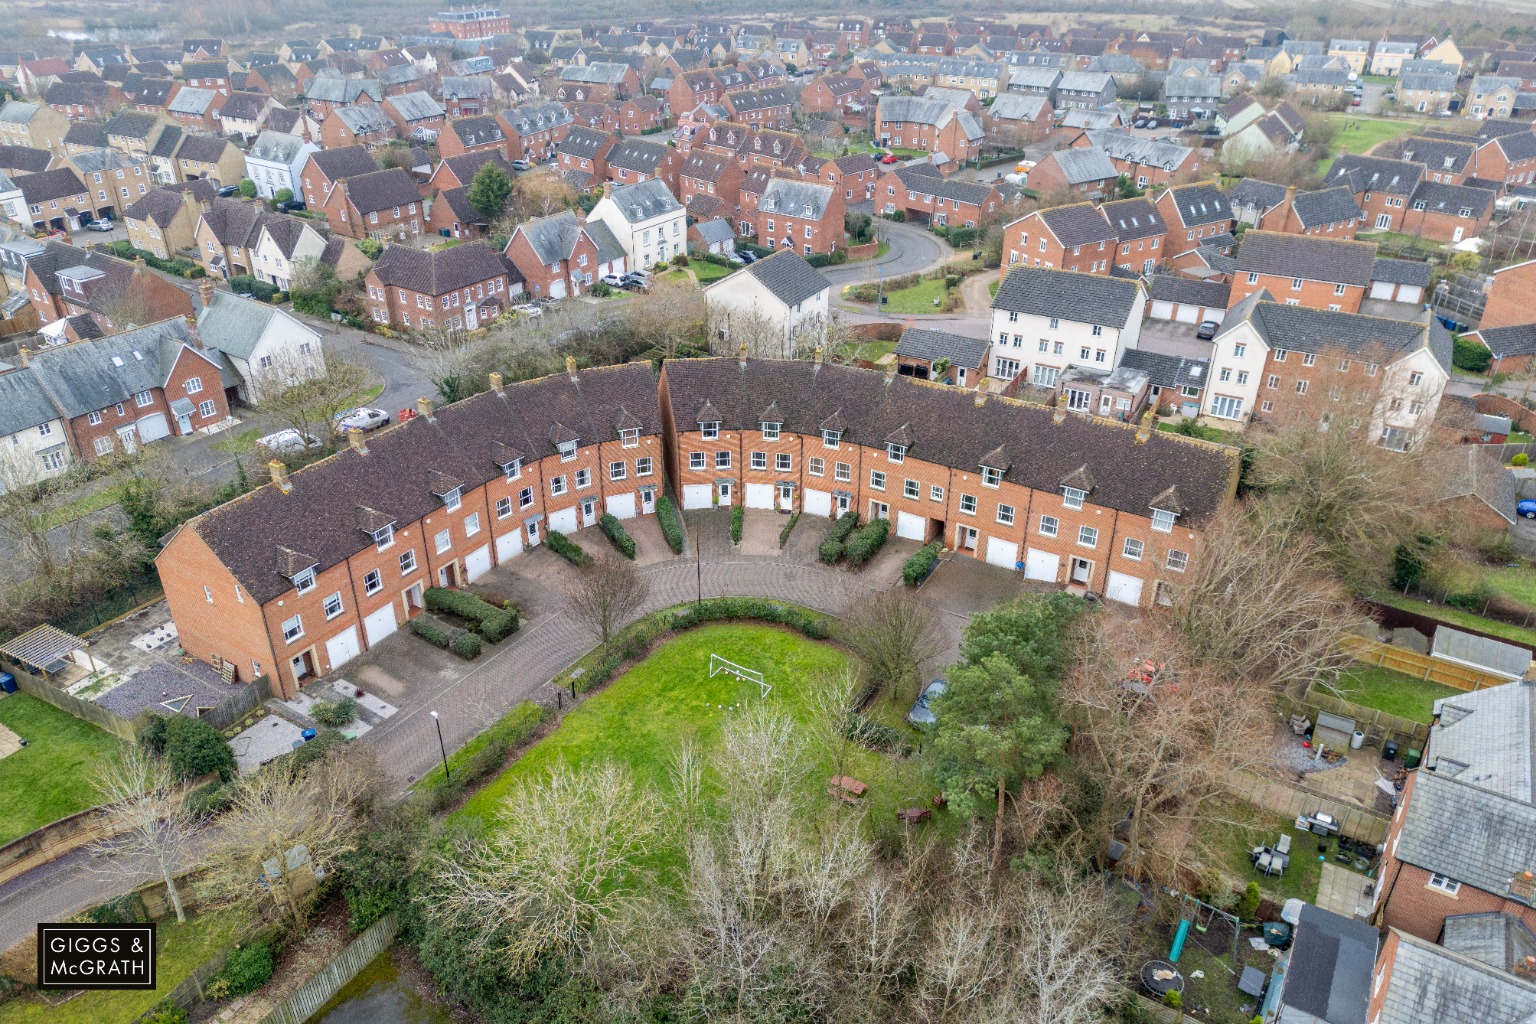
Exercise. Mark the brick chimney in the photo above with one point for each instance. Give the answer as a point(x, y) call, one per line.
point(742, 356)
point(1522, 886)
point(358, 440)
point(280, 476)
point(497, 384)
point(981, 398)
point(424, 408)
point(1060, 415)
point(205, 291)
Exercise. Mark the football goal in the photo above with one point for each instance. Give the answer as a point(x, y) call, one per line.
point(719, 664)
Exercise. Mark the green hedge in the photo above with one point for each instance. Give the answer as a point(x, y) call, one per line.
point(830, 551)
point(432, 630)
point(738, 516)
point(181, 268)
point(868, 539)
point(834, 545)
point(828, 259)
point(789, 527)
point(493, 623)
point(248, 967)
point(922, 561)
point(616, 533)
point(1469, 355)
point(466, 645)
point(483, 755)
point(877, 736)
point(666, 514)
point(567, 548)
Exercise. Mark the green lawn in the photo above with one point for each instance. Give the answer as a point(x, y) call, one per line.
point(1393, 692)
point(639, 719)
point(49, 778)
point(183, 948)
point(709, 273)
point(1378, 79)
point(1517, 583)
point(1204, 433)
point(1235, 828)
point(992, 288)
point(95, 502)
point(1359, 134)
point(1457, 617)
point(874, 351)
point(917, 299)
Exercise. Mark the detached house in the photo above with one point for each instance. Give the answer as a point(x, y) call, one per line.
point(368, 125)
point(561, 255)
point(781, 301)
point(276, 161)
point(268, 347)
point(381, 205)
point(934, 126)
point(647, 220)
point(800, 215)
point(1074, 237)
point(1044, 321)
point(926, 197)
point(324, 168)
point(462, 287)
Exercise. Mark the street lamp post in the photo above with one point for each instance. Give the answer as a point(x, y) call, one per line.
point(447, 775)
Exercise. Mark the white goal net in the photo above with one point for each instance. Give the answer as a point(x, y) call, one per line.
point(719, 664)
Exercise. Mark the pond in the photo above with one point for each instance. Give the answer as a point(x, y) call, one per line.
point(379, 995)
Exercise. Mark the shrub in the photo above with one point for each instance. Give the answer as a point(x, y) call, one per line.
point(789, 527)
point(208, 800)
point(466, 646)
point(922, 561)
point(829, 551)
point(493, 623)
point(1520, 459)
point(431, 630)
point(843, 526)
point(1173, 999)
point(567, 548)
point(509, 732)
point(334, 713)
point(738, 516)
point(378, 872)
point(615, 530)
point(729, 609)
point(680, 260)
point(877, 736)
point(371, 247)
point(164, 1012)
point(599, 290)
point(868, 539)
point(1469, 355)
point(191, 745)
point(666, 515)
point(248, 968)
point(1248, 906)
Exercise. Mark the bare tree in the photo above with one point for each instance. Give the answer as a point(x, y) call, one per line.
point(308, 401)
point(833, 715)
point(139, 791)
point(672, 313)
point(607, 594)
point(893, 633)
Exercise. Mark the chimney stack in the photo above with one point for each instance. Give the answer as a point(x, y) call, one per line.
point(496, 383)
point(358, 440)
point(1144, 428)
point(205, 291)
point(1060, 415)
point(607, 189)
point(280, 476)
point(981, 398)
point(570, 368)
point(1522, 885)
point(424, 408)
point(817, 358)
point(138, 268)
point(742, 358)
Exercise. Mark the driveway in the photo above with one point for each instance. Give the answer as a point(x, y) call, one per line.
point(1174, 339)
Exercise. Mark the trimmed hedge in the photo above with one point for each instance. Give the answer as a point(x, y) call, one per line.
point(466, 645)
point(922, 561)
point(868, 539)
point(666, 514)
point(834, 545)
point(566, 548)
point(482, 756)
point(616, 533)
point(493, 623)
point(789, 527)
point(431, 629)
point(830, 551)
point(738, 516)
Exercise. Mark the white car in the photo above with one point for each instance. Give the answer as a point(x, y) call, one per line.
point(363, 418)
point(288, 442)
point(613, 280)
point(529, 309)
point(99, 225)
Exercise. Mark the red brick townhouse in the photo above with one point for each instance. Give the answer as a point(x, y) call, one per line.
point(534, 130)
point(928, 197)
point(711, 175)
point(563, 255)
point(381, 204)
point(459, 287)
point(854, 176)
point(1194, 214)
point(583, 156)
point(1075, 237)
point(839, 95)
point(1089, 503)
point(800, 215)
point(298, 577)
point(634, 160)
point(323, 169)
point(932, 125)
point(66, 281)
point(1381, 187)
point(1304, 270)
point(760, 108)
point(479, 134)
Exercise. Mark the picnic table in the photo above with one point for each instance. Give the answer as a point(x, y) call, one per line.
point(846, 788)
point(913, 815)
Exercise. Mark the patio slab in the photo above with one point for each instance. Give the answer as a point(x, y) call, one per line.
point(271, 737)
point(1343, 892)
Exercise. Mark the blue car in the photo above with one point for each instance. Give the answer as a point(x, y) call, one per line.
point(921, 716)
point(1526, 509)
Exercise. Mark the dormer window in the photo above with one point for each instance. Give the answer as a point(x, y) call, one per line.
point(710, 430)
point(567, 450)
point(629, 438)
point(304, 582)
point(1162, 521)
point(991, 477)
point(896, 452)
point(514, 469)
point(384, 536)
point(771, 431)
point(831, 438)
point(1072, 497)
point(453, 499)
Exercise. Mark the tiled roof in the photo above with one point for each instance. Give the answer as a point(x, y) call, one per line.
point(1402, 272)
point(365, 119)
point(234, 325)
point(416, 106)
point(924, 180)
point(244, 106)
point(478, 131)
point(1432, 983)
point(23, 403)
point(1327, 206)
point(1251, 193)
point(1331, 963)
point(1200, 204)
point(645, 200)
point(1167, 371)
point(922, 343)
point(1080, 166)
point(1519, 340)
point(1307, 257)
point(584, 143)
point(440, 272)
point(320, 514)
point(1476, 836)
point(1450, 199)
point(1376, 174)
point(208, 149)
point(25, 159)
point(60, 183)
point(160, 205)
point(276, 147)
point(1173, 288)
point(640, 155)
point(1315, 330)
point(1077, 224)
point(88, 376)
point(380, 190)
point(1081, 298)
point(85, 133)
point(1133, 218)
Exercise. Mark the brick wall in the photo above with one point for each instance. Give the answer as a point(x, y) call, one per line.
point(1312, 294)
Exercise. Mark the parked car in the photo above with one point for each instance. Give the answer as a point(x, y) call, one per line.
point(1207, 330)
point(890, 158)
point(362, 418)
point(613, 280)
point(291, 206)
point(1151, 122)
point(1140, 122)
point(1355, 102)
point(1527, 509)
point(748, 255)
point(521, 165)
point(633, 284)
point(529, 309)
point(921, 716)
point(62, 236)
point(736, 259)
point(229, 190)
point(99, 225)
point(288, 442)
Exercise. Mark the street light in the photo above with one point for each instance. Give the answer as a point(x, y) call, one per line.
point(447, 775)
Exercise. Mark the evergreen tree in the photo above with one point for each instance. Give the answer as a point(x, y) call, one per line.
point(490, 190)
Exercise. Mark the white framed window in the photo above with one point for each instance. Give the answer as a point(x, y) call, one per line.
point(1162, 521)
point(771, 431)
point(373, 583)
point(525, 497)
point(1449, 886)
point(293, 629)
point(333, 606)
point(304, 582)
point(94, 419)
point(696, 460)
point(782, 462)
point(103, 445)
point(207, 593)
point(991, 477)
point(1132, 549)
point(722, 460)
point(935, 493)
point(1072, 497)
point(453, 499)
point(876, 480)
point(1415, 379)
point(643, 466)
point(1226, 407)
point(842, 472)
point(1005, 514)
point(911, 489)
point(443, 540)
point(206, 408)
point(472, 524)
point(1049, 526)
point(384, 536)
point(618, 470)
point(503, 507)
point(895, 453)
point(1178, 560)
point(144, 398)
point(193, 385)
point(567, 451)
point(831, 438)
point(968, 504)
point(557, 485)
point(514, 469)
point(629, 438)
point(815, 466)
point(1088, 536)
point(709, 431)
point(759, 460)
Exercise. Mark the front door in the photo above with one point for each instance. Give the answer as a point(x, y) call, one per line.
point(129, 438)
point(647, 502)
point(470, 323)
point(1456, 235)
point(448, 575)
point(1082, 571)
point(184, 424)
point(842, 504)
point(965, 538)
point(533, 534)
point(303, 665)
point(879, 510)
point(588, 511)
point(786, 497)
point(412, 598)
point(1106, 405)
point(725, 494)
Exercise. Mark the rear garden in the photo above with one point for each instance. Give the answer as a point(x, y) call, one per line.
point(1393, 692)
point(49, 778)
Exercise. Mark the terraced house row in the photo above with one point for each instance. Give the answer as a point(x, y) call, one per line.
point(301, 575)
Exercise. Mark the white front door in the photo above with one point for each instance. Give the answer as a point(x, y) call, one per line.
point(533, 535)
point(588, 511)
point(725, 493)
point(1123, 588)
point(697, 496)
point(342, 648)
point(965, 538)
point(380, 624)
point(879, 510)
point(1002, 552)
point(470, 322)
point(647, 502)
point(759, 495)
point(1041, 565)
point(1456, 235)
point(911, 527)
point(621, 506)
point(786, 497)
point(477, 563)
point(1082, 571)
point(128, 437)
point(818, 503)
point(564, 520)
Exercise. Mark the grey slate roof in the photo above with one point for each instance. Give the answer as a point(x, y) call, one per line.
point(234, 325)
point(1498, 940)
point(1167, 371)
point(1174, 288)
point(85, 377)
point(342, 90)
point(1315, 330)
point(1080, 166)
point(1485, 738)
point(1133, 218)
point(916, 109)
point(1251, 193)
point(1401, 272)
point(1376, 174)
point(1119, 144)
point(1450, 199)
point(25, 159)
point(641, 155)
point(1431, 983)
point(1034, 78)
point(1326, 206)
point(645, 200)
point(194, 102)
point(599, 73)
point(416, 106)
point(1077, 224)
point(1012, 106)
point(1082, 298)
point(1199, 204)
point(796, 198)
point(1519, 340)
point(553, 238)
point(365, 119)
point(924, 180)
point(1331, 962)
point(23, 403)
point(1476, 836)
point(788, 277)
point(1307, 257)
point(922, 343)
point(379, 190)
point(59, 183)
point(715, 230)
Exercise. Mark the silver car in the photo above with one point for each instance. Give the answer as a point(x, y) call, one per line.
point(921, 716)
point(362, 418)
point(288, 442)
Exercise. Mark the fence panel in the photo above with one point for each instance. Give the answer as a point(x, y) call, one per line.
point(123, 728)
point(315, 992)
point(1420, 666)
point(1378, 726)
point(240, 703)
point(1292, 802)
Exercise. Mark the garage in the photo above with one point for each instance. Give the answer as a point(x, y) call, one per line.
point(1383, 290)
point(1410, 293)
point(760, 496)
point(153, 428)
point(621, 506)
point(818, 503)
point(1187, 314)
point(342, 648)
point(1186, 301)
point(698, 496)
point(1002, 552)
point(1123, 588)
point(564, 520)
point(477, 563)
point(509, 546)
point(380, 624)
point(1041, 565)
point(1162, 309)
point(911, 527)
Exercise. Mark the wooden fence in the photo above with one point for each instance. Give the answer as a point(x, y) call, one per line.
point(1291, 801)
point(1421, 666)
point(315, 992)
point(53, 841)
point(1378, 726)
point(35, 686)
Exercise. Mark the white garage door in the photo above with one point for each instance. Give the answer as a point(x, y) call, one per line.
point(911, 527)
point(380, 624)
point(477, 563)
point(1381, 289)
point(342, 649)
point(622, 506)
point(698, 496)
point(564, 520)
point(1041, 565)
point(759, 495)
point(1187, 314)
point(818, 503)
point(1162, 309)
point(1123, 588)
point(1409, 293)
point(1002, 552)
point(153, 428)
point(509, 546)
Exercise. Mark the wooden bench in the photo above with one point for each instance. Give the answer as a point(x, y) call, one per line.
point(849, 784)
point(842, 794)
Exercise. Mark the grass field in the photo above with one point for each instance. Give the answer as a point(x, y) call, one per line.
point(1393, 692)
point(49, 778)
point(708, 273)
point(1357, 134)
point(1236, 828)
point(640, 718)
point(1516, 582)
point(917, 299)
point(1457, 617)
point(183, 948)
point(94, 502)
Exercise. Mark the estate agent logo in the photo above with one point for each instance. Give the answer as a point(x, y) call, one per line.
point(115, 956)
